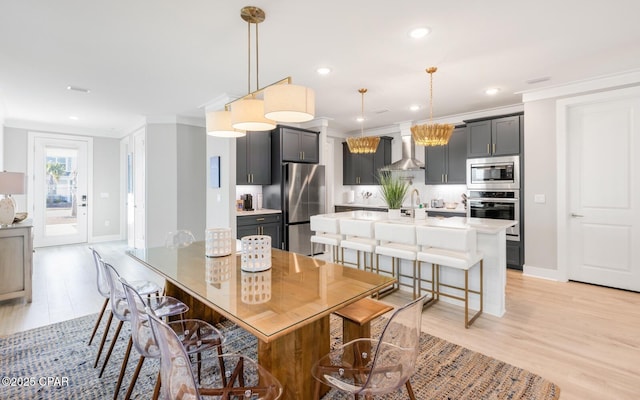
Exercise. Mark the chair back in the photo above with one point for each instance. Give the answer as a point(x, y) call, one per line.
point(357, 227)
point(119, 306)
point(141, 334)
point(395, 232)
point(101, 280)
point(243, 378)
point(320, 224)
point(179, 239)
point(395, 357)
point(456, 239)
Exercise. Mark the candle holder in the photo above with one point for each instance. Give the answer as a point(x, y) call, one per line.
point(256, 253)
point(218, 242)
point(218, 270)
point(256, 287)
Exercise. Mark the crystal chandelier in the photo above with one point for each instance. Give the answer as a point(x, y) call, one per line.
point(431, 134)
point(363, 144)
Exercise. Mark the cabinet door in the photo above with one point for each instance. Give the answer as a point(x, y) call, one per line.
point(435, 161)
point(381, 158)
point(247, 230)
point(259, 157)
point(273, 230)
point(479, 139)
point(242, 174)
point(457, 157)
point(309, 146)
point(505, 135)
point(290, 145)
point(349, 176)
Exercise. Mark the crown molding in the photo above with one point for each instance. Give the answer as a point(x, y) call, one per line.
point(62, 129)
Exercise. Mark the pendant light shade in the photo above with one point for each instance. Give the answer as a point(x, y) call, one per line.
point(219, 125)
point(289, 103)
point(431, 134)
point(249, 116)
point(363, 144)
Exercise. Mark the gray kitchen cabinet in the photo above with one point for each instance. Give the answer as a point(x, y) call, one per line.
point(362, 169)
point(253, 159)
point(494, 137)
point(359, 208)
point(261, 224)
point(447, 164)
point(298, 145)
point(445, 214)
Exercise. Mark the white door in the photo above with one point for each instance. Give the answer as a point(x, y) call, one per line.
point(60, 190)
point(603, 141)
point(139, 192)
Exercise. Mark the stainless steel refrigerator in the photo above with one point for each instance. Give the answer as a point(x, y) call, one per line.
point(299, 191)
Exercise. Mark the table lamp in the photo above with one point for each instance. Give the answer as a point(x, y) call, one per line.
point(10, 183)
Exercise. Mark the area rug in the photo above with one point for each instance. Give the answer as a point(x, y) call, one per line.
point(54, 362)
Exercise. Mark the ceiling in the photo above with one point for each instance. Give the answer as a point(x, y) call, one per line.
point(162, 58)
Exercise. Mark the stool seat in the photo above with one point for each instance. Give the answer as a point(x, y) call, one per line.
point(398, 250)
point(450, 258)
point(360, 244)
point(326, 238)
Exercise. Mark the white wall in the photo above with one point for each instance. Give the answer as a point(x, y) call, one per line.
point(191, 179)
point(106, 182)
point(221, 201)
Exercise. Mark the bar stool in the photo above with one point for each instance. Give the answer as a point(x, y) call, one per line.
point(327, 232)
point(358, 235)
point(455, 248)
point(398, 241)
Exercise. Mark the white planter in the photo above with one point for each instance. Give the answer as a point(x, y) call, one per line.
point(394, 213)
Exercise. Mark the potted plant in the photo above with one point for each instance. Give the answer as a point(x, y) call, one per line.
point(393, 191)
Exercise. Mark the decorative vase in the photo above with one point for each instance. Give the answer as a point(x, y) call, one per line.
point(394, 213)
point(256, 253)
point(218, 242)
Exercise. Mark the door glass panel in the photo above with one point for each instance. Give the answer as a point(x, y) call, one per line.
point(61, 184)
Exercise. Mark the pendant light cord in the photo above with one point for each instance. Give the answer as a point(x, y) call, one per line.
point(362, 92)
point(249, 59)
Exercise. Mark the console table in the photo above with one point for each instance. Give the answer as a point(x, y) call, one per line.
point(16, 260)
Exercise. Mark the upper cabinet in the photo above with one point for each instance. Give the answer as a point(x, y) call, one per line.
point(494, 137)
point(253, 159)
point(362, 169)
point(297, 145)
point(447, 164)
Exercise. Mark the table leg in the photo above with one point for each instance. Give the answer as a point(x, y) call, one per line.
point(290, 358)
point(197, 309)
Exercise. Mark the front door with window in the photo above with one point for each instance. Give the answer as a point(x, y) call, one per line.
point(60, 190)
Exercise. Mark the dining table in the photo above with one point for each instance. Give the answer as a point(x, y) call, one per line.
point(286, 307)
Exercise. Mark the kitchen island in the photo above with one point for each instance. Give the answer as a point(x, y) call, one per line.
point(491, 242)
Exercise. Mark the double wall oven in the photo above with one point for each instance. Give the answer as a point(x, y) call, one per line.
point(493, 186)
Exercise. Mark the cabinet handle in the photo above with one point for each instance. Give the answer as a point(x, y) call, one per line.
point(300, 156)
point(488, 149)
point(494, 148)
point(259, 219)
point(303, 155)
point(446, 178)
point(442, 178)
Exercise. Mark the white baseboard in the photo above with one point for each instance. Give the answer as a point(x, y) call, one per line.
point(543, 273)
point(106, 238)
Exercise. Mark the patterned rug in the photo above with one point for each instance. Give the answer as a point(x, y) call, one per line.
point(54, 362)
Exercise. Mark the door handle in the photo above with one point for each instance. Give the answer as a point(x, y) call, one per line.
point(488, 149)
point(494, 148)
point(574, 215)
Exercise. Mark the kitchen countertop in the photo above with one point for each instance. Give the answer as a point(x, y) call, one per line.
point(257, 212)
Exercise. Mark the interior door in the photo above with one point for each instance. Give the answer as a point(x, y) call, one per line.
point(60, 191)
point(604, 193)
point(139, 191)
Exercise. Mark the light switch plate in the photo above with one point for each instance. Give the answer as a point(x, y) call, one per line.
point(540, 198)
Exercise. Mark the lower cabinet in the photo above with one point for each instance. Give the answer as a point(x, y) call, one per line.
point(16, 258)
point(261, 224)
point(358, 208)
point(444, 214)
point(514, 255)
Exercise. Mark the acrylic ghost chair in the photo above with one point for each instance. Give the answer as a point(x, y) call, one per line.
point(370, 367)
point(242, 378)
point(179, 239)
point(163, 306)
point(145, 288)
point(195, 335)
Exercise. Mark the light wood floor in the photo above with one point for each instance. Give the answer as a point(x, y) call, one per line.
point(584, 338)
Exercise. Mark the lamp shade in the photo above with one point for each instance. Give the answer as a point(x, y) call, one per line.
point(219, 125)
point(289, 103)
point(248, 115)
point(11, 182)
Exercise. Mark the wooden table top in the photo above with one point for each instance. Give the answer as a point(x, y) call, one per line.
point(295, 291)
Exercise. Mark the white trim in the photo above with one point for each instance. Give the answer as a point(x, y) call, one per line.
point(542, 273)
point(124, 151)
point(106, 238)
point(562, 216)
point(598, 83)
point(38, 127)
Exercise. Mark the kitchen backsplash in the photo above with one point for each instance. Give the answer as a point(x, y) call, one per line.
point(370, 195)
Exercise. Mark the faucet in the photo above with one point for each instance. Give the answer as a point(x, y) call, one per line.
point(413, 205)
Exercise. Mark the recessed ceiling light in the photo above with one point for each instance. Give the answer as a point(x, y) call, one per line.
point(491, 91)
point(78, 89)
point(73, 117)
point(360, 119)
point(324, 70)
point(414, 107)
point(418, 33)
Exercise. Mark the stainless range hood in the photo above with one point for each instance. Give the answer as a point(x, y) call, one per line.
point(408, 161)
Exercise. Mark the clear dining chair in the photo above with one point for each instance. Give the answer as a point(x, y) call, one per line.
point(370, 367)
point(145, 288)
point(195, 335)
point(163, 306)
point(179, 239)
point(243, 378)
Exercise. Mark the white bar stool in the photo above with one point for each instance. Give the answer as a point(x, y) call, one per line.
point(398, 241)
point(454, 248)
point(358, 235)
point(327, 232)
